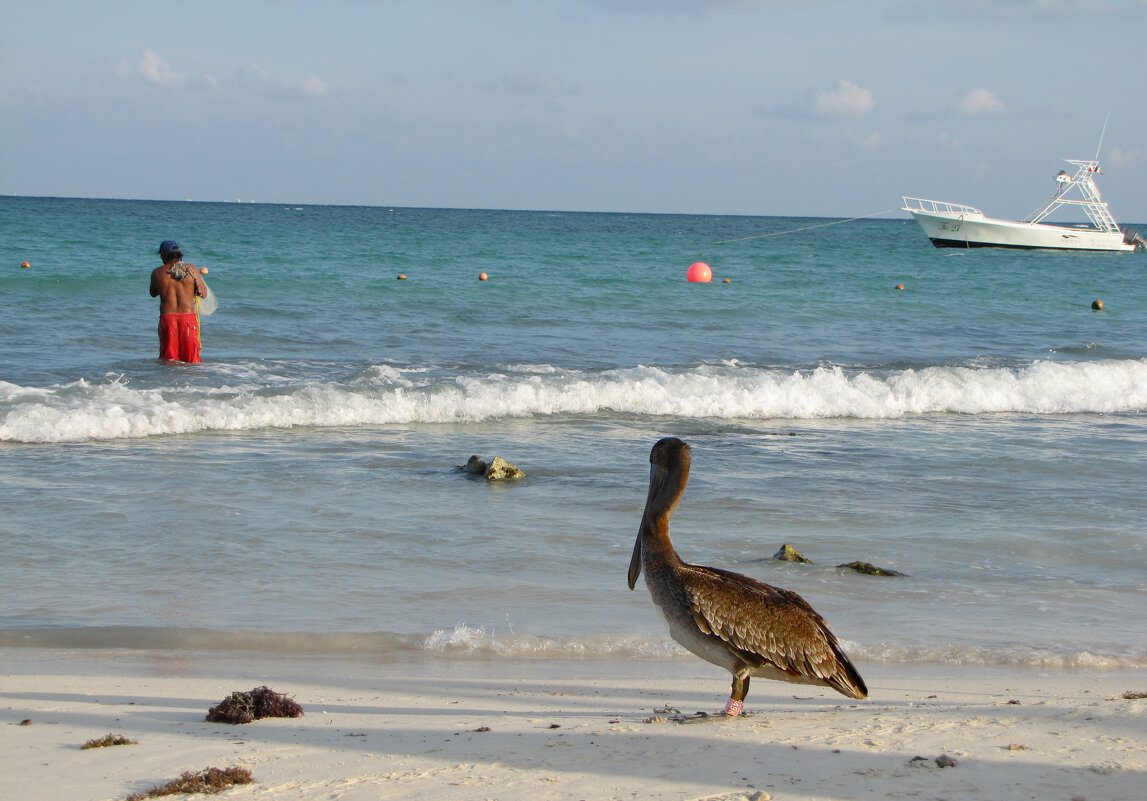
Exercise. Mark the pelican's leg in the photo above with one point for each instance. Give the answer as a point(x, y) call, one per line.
point(740, 690)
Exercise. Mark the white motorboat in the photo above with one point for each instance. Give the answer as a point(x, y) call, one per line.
point(952, 225)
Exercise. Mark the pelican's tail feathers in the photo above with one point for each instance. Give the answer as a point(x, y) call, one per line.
point(846, 679)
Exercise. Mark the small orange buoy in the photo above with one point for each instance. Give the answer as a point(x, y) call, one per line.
point(401, 277)
point(25, 265)
point(1097, 305)
point(203, 270)
point(900, 286)
point(482, 276)
point(699, 273)
point(726, 281)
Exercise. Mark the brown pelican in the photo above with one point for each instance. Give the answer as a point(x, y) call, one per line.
point(741, 624)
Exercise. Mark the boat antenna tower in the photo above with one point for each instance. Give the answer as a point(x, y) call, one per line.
point(1101, 135)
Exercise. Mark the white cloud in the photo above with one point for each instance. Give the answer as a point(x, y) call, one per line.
point(156, 70)
point(864, 142)
point(949, 142)
point(979, 101)
point(847, 100)
point(1118, 157)
point(869, 143)
point(315, 86)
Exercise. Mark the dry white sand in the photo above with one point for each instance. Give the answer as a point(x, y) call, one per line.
point(546, 729)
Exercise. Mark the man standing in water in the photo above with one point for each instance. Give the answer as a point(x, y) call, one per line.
point(178, 319)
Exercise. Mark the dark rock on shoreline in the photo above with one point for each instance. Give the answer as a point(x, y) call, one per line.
point(475, 466)
point(868, 569)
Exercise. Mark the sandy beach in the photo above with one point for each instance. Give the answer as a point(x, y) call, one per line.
point(545, 729)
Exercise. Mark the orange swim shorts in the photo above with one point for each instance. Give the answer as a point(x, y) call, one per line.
point(179, 337)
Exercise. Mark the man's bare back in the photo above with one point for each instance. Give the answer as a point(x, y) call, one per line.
point(177, 296)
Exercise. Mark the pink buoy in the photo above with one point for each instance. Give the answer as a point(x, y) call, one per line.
point(699, 272)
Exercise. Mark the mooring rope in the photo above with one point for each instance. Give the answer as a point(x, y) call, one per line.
point(806, 228)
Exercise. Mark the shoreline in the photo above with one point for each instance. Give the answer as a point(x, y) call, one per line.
point(514, 729)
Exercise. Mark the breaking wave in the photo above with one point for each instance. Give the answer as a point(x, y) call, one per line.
point(112, 408)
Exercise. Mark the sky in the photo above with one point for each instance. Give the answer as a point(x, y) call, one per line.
point(829, 108)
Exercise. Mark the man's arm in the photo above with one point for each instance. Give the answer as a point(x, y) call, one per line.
point(200, 284)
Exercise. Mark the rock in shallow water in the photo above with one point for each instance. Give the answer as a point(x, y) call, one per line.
point(788, 553)
point(869, 570)
point(501, 470)
point(474, 465)
point(497, 469)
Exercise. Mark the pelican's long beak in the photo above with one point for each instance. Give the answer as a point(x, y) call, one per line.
point(635, 562)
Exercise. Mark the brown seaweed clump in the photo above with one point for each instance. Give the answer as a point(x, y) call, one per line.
point(261, 702)
point(209, 781)
point(108, 740)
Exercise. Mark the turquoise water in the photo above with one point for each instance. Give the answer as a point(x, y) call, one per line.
point(980, 430)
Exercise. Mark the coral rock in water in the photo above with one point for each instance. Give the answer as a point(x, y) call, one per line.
point(788, 553)
point(496, 470)
point(500, 469)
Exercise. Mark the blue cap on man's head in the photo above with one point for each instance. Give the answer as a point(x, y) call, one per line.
point(169, 246)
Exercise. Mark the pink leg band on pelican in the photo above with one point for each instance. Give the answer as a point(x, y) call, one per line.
point(733, 708)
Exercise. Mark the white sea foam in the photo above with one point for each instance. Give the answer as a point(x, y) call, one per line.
point(385, 395)
point(464, 641)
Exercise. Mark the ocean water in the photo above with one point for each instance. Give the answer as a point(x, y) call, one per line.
point(981, 430)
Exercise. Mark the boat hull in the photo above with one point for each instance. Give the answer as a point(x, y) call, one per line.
point(946, 230)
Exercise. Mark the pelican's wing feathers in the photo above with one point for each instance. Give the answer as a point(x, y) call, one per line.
point(769, 626)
